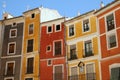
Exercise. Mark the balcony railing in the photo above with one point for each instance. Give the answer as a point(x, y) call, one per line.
point(88, 52)
point(73, 56)
point(88, 76)
point(58, 76)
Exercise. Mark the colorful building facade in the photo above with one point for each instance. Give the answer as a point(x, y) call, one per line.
point(82, 47)
point(30, 55)
point(109, 33)
point(52, 50)
point(11, 48)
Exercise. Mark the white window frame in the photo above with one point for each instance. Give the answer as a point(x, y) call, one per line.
point(108, 35)
point(14, 48)
point(61, 46)
point(62, 70)
point(7, 66)
point(48, 62)
point(9, 78)
point(51, 29)
point(11, 32)
point(56, 28)
point(33, 63)
point(29, 77)
point(106, 28)
point(69, 31)
point(29, 27)
point(88, 24)
point(93, 66)
point(72, 67)
point(47, 47)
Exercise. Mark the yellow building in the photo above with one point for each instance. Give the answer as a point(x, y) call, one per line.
point(30, 56)
point(82, 47)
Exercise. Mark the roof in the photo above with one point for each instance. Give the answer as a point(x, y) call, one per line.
point(92, 11)
point(107, 5)
point(30, 10)
point(49, 14)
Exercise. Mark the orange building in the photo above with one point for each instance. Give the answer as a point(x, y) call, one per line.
point(30, 56)
point(109, 30)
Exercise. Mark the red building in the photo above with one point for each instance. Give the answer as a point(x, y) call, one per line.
point(109, 28)
point(52, 50)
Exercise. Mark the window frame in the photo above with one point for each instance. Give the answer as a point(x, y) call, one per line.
point(11, 33)
point(72, 25)
point(32, 15)
point(56, 28)
point(29, 29)
point(9, 48)
point(108, 36)
point(33, 64)
point(7, 66)
point(47, 48)
point(88, 25)
point(62, 70)
point(106, 21)
point(29, 77)
point(61, 47)
point(51, 29)
point(115, 65)
point(9, 78)
point(84, 53)
point(27, 46)
point(48, 62)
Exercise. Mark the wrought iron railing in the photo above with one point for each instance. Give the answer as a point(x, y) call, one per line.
point(87, 76)
point(88, 52)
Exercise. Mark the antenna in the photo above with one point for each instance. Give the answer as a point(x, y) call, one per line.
point(4, 6)
point(28, 7)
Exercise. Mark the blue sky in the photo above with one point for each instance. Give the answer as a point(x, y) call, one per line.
point(68, 8)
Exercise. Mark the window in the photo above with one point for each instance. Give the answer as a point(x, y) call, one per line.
point(49, 29)
point(73, 54)
point(9, 78)
point(10, 68)
point(88, 48)
point(49, 62)
point(110, 22)
point(74, 73)
point(48, 48)
point(30, 63)
point(57, 46)
point(115, 73)
point(32, 15)
point(31, 29)
point(11, 48)
point(71, 30)
point(112, 41)
point(90, 74)
point(86, 26)
point(58, 75)
point(14, 24)
point(29, 79)
point(13, 33)
point(30, 45)
point(58, 27)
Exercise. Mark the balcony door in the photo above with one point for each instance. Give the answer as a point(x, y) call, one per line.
point(90, 73)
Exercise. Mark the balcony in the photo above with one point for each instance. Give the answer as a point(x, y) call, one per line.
point(88, 76)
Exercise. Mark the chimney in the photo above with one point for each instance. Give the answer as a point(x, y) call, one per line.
point(101, 4)
point(7, 15)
